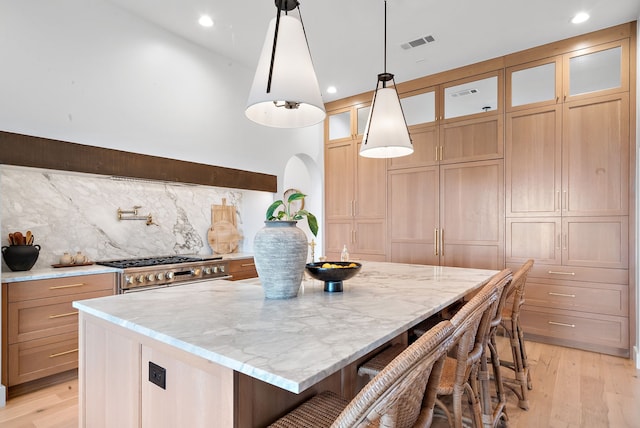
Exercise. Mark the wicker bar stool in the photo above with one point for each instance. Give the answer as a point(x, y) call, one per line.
point(511, 324)
point(493, 412)
point(401, 395)
point(460, 373)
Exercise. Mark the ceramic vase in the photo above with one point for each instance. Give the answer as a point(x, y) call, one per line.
point(280, 253)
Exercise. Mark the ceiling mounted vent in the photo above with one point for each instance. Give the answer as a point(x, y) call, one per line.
point(417, 42)
point(464, 92)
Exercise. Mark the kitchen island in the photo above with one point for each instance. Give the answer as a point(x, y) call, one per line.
point(218, 354)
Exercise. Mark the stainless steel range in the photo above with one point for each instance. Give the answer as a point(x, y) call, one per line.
point(156, 272)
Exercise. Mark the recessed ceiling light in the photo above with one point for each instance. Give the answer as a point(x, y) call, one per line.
point(580, 17)
point(332, 90)
point(205, 21)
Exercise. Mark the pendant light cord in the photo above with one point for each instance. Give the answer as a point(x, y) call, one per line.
point(275, 42)
point(385, 36)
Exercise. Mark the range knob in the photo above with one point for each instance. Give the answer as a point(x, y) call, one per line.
point(221, 269)
point(215, 269)
point(196, 271)
point(207, 271)
point(151, 277)
point(128, 279)
point(160, 276)
point(140, 278)
point(168, 275)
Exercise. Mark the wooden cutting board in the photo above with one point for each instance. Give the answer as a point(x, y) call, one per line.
point(223, 235)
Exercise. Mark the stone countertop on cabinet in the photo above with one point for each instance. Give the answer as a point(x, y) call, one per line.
point(48, 273)
point(291, 343)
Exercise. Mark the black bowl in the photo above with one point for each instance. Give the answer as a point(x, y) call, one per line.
point(332, 277)
point(20, 257)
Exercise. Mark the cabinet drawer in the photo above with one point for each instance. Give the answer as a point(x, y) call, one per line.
point(587, 331)
point(38, 318)
point(574, 273)
point(242, 269)
point(600, 298)
point(41, 288)
point(43, 357)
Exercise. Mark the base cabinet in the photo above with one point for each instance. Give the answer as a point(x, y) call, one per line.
point(242, 269)
point(40, 327)
point(586, 308)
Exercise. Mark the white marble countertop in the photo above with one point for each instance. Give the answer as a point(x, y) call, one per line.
point(291, 343)
point(48, 273)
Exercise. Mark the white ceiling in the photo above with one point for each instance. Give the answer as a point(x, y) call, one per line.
point(346, 36)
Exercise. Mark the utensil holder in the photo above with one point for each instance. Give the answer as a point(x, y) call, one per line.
point(20, 257)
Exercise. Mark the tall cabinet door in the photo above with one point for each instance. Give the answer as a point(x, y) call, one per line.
point(596, 156)
point(472, 214)
point(533, 173)
point(340, 181)
point(413, 215)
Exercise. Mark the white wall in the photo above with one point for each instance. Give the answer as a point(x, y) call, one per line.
point(86, 71)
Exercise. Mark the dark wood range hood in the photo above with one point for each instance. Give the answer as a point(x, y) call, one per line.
point(37, 152)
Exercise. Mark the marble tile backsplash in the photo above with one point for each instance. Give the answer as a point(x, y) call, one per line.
point(70, 212)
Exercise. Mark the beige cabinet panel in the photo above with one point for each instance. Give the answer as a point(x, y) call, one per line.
point(473, 139)
point(596, 241)
point(538, 239)
point(38, 358)
point(472, 213)
point(413, 252)
point(596, 332)
point(337, 234)
point(339, 180)
point(371, 194)
point(471, 255)
point(425, 148)
point(369, 237)
point(413, 215)
point(610, 299)
point(534, 153)
point(109, 374)
point(596, 156)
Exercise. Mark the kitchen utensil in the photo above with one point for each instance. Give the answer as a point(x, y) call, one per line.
point(223, 235)
point(11, 239)
point(28, 237)
point(30, 240)
point(17, 238)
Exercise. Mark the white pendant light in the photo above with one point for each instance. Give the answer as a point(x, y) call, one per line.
point(386, 134)
point(285, 91)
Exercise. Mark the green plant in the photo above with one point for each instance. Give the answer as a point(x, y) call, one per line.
point(287, 214)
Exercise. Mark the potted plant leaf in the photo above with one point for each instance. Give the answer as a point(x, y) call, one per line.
point(281, 248)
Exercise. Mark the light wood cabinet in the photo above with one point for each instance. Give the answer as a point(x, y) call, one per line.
point(567, 166)
point(242, 269)
point(40, 325)
point(526, 156)
point(355, 200)
point(436, 207)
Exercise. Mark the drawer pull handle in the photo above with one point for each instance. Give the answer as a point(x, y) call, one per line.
point(68, 314)
point(561, 294)
point(561, 324)
point(247, 264)
point(553, 272)
point(59, 287)
point(59, 354)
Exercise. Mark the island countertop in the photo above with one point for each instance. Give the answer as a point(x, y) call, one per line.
point(291, 343)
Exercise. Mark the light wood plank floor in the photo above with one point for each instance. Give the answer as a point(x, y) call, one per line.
point(571, 388)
